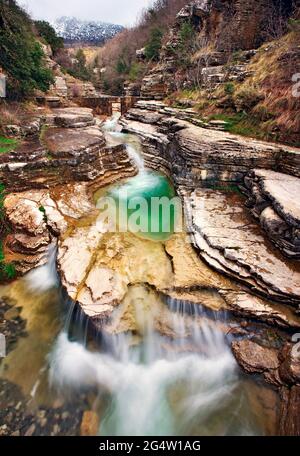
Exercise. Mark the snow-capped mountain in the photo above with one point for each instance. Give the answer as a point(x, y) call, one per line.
point(74, 30)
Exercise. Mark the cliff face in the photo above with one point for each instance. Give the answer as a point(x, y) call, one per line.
point(219, 28)
point(235, 59)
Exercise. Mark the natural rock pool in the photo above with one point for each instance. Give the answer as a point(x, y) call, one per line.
point(161, 365)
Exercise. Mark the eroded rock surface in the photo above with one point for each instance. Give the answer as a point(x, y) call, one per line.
point(195, 152)
point(62, 154)
point(274, 200)
point(254, 358)
point(230, 242)
point(37, 218)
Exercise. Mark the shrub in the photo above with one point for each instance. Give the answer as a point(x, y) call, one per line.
point(21, 56)
point(48, 33)
point(153, 47)
point(229, 88)
point(246, 98)
point(136, 71)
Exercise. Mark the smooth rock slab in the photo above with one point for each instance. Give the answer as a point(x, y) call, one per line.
point(64, 143)
point(73, 117)
point(229, 241)
point(274, 200)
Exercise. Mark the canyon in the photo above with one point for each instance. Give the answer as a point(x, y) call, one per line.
point(180, 323)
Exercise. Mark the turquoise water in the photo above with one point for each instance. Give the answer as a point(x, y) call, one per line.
point(147, 206)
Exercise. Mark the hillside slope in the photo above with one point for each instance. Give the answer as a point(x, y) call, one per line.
point(232, 61)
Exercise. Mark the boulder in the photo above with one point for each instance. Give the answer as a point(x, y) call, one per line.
point(73, 117)
point(289, 370)
point(254, 358)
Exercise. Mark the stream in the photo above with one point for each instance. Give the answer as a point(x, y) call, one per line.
point(140, 383)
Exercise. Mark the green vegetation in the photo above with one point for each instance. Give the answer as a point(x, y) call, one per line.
point(244, 125)
point(79, 69)
point(186, 45)
point(47, 32)
point(21, 56)
point(6, 144)
point(43, 211)
point(7, 270)
point(229, 88)
point(136, 71)
point(153, 47)
point(119, 57)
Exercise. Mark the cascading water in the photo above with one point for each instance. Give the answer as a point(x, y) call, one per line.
point(173, 375)
point(155, 384)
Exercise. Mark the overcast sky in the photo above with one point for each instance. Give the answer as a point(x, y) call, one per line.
point(116, 11)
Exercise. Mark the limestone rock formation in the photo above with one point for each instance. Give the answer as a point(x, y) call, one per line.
point(197, 153)
point(37, 218)
point(274, 200)
point(232, 243)
point(220, 28)
point(76, 151)
point(254, 358)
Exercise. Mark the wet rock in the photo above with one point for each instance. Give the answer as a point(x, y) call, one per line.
point(249, 306)
point(30, 431)
point(289, 370)
point(18, 419)
point(97, 267)
point(289, 412)
point(12, 325)
point(31, 214)
point(254, 358)
point(90, 424)
point(38, 217)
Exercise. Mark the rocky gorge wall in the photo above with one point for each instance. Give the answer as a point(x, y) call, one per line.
point(62, 146)
point(220, 29)
point(205, 164)
point(196, 153)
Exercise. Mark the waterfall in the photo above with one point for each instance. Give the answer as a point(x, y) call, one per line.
point(177, 377)
point(136, 157)
point(158, 386)
point(110, 125)
point(44, 277)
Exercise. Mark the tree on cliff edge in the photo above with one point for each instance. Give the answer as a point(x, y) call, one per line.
point(21, 55)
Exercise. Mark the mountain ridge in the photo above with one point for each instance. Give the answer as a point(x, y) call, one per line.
point(74, 30)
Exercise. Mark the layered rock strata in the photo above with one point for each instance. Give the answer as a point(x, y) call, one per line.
point(38, 218)
point(195, 152)
point(274, 201)
point(69, 148)
point(220, 29)
point(280, 368)
point(231, 242)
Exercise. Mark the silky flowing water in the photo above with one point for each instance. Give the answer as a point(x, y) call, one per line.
point(143, 383)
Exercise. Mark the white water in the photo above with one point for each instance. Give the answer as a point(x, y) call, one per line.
point(110, 125)
point(140, 379)
point(136, 157)
point(45, 277)
point(157, 386)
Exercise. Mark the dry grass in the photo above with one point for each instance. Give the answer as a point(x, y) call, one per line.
point(265, 99)
point(12, 113)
